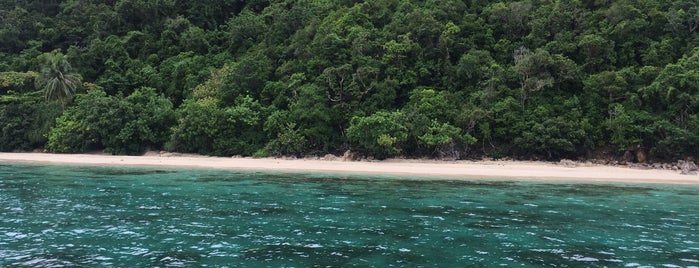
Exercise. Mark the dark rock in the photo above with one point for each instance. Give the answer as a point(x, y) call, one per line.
point(628, 156)
point(687, 167)
point(329, 157)
point(349, 156)
point(568, 163)
point(641, 155)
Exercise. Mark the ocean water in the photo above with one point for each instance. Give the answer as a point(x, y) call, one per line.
point(67, 216)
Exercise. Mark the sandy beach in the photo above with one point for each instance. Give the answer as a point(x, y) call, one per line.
point(507, 170)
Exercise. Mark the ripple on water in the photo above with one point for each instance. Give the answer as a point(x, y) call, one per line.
point(142, 218)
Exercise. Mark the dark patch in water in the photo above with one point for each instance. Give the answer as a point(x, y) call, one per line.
point(687, 255)
point(485, 225)
point(541, 258)
point(582, 257)
point(604, 190)
point(126, 171)
point(334, 256)
point(55, 259)
point(268, 210)
point(216, 178)
point(687, 192)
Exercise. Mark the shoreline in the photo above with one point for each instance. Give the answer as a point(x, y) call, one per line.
point(462, 169)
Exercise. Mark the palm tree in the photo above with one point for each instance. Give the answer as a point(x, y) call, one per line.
point(55, 77)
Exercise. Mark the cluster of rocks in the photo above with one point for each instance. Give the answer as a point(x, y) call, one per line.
point(685, 167)
point(568, 163)
point(347, 156)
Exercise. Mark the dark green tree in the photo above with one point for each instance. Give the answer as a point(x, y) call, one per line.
point(56, 78)
point(380, 135)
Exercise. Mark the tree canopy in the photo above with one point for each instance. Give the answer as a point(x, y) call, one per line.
point(446, 79)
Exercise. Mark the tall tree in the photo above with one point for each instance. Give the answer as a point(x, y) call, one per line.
point(532, 70)
point(56, 77)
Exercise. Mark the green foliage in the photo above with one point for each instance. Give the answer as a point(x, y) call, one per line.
point(118, 125)
point(289, 141)
point(676, 89)
point(532, 68)
point(287, 138)
point(15, 126)
point(542, 79)
point(207, 127)
point(17, 82)
point(445, 138)
point(150, 127)
point(380, 134)
point(311, 112)
point(553, 134)
point(56, 77)
point(179, 74)
point(430, 104)
point(197, 126)
point(88, 125)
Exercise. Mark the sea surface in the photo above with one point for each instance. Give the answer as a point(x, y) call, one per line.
point(68, 216)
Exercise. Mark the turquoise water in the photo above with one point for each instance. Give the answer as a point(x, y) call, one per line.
point(53, 216)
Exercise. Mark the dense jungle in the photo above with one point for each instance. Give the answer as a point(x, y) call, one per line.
point(445, 79)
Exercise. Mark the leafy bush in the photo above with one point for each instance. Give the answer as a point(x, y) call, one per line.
point(380, 134)
point(205, 127)
point(115, 124)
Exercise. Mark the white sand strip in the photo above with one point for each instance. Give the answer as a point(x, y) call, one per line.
point(517, 170)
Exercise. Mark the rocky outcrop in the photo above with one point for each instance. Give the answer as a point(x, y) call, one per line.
point(635, 154)
point(330, 157)
point(349, 156)
point(568, 163)
point(687, 167)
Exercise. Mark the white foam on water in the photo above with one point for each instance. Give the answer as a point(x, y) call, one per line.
point(16, 258)
point(222, 245)
point(129, 233)
point(149, 207)
point(554, 251)
point(173, 262)
point(15, 235)
point(633, 264)
point(554, 239)
point(79, 231)
point(36, 261)
point(583, 258)
point(135, 251)
point(331, 208)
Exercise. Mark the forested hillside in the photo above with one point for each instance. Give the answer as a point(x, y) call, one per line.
point(541, 79)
